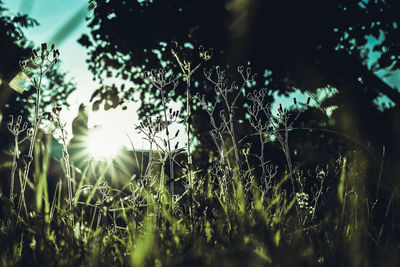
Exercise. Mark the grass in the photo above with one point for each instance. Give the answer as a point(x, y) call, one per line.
point(240, 211)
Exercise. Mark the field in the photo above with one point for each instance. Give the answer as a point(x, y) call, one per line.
point(235, 208)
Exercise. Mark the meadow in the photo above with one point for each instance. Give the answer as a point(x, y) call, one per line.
point(241, 209)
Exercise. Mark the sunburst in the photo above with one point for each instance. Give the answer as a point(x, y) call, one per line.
point(102, 144)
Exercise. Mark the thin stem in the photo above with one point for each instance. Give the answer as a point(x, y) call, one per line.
point(37, 61)
point(262, 153)
point(232, 131)
point(188, 125)
point(150, 159)
point(187, 73)
point(171, 167)
point(33, 139)
point(14, 168)
point(65, 156)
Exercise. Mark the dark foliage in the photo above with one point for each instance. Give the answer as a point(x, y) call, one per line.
point(14, 47)
point(307, 45)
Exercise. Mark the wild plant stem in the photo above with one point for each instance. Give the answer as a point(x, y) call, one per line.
point(262, 159)
point(65, 156)
point(171, 167)
point(232, 132)
point(188, 125)
point(187, 74)
point(14, 168)
point(189, 155)
point(150, 160)
point(33, 139)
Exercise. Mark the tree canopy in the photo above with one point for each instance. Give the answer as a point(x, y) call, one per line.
point(14, 48)
point(305, 44)
point(294, 39)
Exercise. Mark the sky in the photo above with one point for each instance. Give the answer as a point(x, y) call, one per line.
point(53, 15)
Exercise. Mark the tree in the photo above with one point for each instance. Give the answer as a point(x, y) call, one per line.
point(307, 45)
point(15, 47)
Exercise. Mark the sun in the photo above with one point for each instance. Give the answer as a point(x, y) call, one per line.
point(102, 143)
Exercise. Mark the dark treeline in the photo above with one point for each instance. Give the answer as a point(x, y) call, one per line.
point(305, 45)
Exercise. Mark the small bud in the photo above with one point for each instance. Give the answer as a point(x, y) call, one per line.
point(176, 134)
point(22, 64)
point(24, 126)
point(207, 56)
point(176, 146)
point(19, 119)
point(44, 46)
point(308, 101)
point(47, 115)
point(52, 46)
point(29, 132)
point(248, 71)
point(294, 100)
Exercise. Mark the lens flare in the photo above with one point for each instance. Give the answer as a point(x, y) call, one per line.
point(103, 144)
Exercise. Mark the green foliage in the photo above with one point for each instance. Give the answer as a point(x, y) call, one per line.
point(15, 47)
point(234, 212)
point(233, 222)
point(306, 45)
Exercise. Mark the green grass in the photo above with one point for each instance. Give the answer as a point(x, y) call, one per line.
point(226, 215)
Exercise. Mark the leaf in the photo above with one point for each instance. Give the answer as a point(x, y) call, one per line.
point(85, 41)
point(115, 100)
point(96, 105)
point(107, 106)
point(95, 93)
point(341, 186)
point(277, 237)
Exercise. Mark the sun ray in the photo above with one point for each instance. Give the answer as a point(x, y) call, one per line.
point(101, 144)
